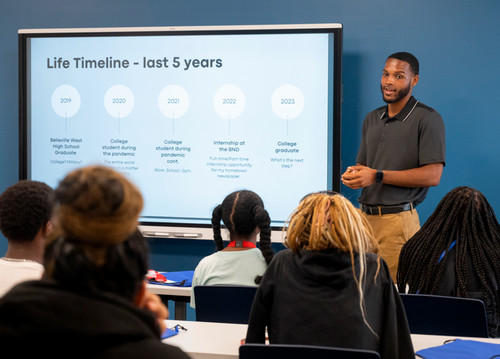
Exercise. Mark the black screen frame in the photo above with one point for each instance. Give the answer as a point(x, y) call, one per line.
point(154, 229)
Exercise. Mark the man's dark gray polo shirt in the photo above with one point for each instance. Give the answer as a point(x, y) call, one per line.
point(411, 139)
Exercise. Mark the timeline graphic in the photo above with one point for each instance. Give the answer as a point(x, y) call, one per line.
point(287, 102)
point(65, 102)
point(229, 102)
point(119, 102)
point(173, 102)
point(187, 118)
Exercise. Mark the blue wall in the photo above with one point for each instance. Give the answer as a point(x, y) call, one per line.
point(455, 41)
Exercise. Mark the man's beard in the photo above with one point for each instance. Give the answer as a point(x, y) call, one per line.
point(399, 94)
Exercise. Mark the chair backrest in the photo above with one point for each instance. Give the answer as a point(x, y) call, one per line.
point(439, 315)
point(223, 303)
point(273, 351)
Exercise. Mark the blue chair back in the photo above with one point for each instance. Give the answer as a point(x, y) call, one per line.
point(439, 315)
point(223, 303)
point(273, 351)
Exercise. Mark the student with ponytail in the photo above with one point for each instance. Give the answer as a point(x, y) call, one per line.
point(240, 262)
point(456, 253)
point(330, 288)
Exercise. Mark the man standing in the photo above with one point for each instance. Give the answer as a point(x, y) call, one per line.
point(402, 154)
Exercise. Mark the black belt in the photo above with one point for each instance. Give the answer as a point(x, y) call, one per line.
point(386, 209)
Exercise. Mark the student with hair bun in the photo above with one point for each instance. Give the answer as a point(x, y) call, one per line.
point(92, 301)
point(330, 288)
point(240, 262)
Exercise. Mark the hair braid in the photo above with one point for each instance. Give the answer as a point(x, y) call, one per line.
point(463, 215)
point(263, 221)
point(216, 218)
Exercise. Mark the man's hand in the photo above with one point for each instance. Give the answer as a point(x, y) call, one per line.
point(358, 176)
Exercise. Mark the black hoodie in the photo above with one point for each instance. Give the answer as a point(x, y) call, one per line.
point(43, 318)
point(311, 298)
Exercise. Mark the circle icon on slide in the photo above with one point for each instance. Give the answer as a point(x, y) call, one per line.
point(119, 101)
point(229, 101)
point(287, 102)
point(173, 101)
point(65, 101)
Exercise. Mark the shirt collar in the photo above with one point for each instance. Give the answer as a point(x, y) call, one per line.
point(404, 113)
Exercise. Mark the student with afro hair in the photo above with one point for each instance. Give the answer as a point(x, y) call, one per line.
point(26, 210)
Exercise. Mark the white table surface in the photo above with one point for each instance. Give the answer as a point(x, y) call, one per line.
point(206, 340)
point(169, 290)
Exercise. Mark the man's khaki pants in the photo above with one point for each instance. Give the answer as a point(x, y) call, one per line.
point(391, 232)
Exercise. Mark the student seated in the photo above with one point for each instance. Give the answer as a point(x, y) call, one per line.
point(240, 262)
point(92, 301)
point(26, 210)
point(330, 288)
point(456, 253)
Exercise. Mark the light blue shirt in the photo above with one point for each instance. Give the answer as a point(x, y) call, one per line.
point(229, 267)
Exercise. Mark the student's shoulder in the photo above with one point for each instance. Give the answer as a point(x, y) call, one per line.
point(208, 260)
point(376, 263)
point(150, 348)
point(283, 256)
point(172, 351)
point(284, 253)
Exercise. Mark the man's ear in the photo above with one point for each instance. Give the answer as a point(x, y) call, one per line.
point(414, 80)
point(140, 296)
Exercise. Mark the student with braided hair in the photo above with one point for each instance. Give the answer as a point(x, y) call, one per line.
point(456, 253)
point(330, 288)
point(240, 262)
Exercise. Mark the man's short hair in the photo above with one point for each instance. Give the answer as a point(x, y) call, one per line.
point(407, 57)
point(25, 207)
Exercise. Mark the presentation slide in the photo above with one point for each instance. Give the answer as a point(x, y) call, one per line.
point(188, 118)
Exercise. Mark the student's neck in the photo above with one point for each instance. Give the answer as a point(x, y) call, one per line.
point(241, 239)
point(23, 252)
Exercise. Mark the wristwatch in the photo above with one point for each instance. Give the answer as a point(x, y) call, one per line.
point(379, 176)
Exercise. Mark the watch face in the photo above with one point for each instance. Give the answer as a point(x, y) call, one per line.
point(379, 176)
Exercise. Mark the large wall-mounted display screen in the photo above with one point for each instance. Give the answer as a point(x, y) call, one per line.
point(190, 114)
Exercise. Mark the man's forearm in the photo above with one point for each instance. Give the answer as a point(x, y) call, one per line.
point(425, 176)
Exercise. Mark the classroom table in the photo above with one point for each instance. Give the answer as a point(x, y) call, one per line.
point(207, 340)
point(180, 296)
point(423, 341)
